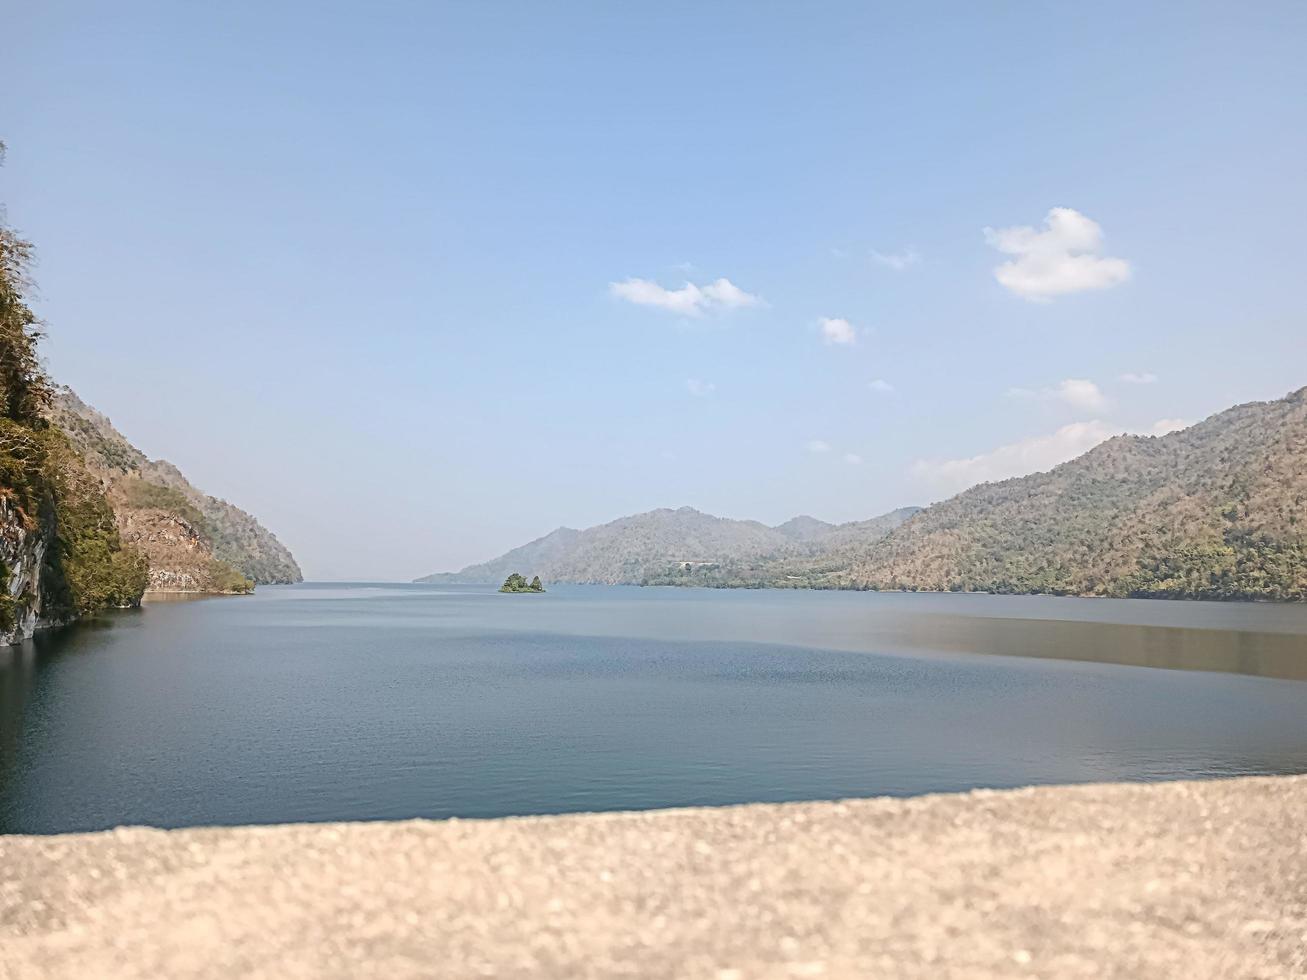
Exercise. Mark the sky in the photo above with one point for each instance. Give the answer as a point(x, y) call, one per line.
point(415, 283)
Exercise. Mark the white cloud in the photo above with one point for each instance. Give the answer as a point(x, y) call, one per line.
point(690, 300)
point(698, 388)
point(1063, 257)
point(852, 459)
point(1162, 426)
point(818, 446)
point(1138, 378)
point(948, 476)
point(881, 385)
point(1034, 455)
point(898, 261)
point(837, 330)
point(1079, 393)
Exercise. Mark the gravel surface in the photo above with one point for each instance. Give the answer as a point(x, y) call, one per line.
point(1191, 880)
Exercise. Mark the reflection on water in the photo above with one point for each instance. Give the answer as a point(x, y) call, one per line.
point(361, 702)
point(1173, 648)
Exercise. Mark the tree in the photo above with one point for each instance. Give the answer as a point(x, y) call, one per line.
point(86, 566)
point(518, 583)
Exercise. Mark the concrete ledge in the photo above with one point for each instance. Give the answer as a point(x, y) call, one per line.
point(1192, 880)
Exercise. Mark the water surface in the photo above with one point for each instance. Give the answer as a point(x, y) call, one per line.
point(329, 702)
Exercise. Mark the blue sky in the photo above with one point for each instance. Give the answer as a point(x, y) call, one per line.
point(352, 266)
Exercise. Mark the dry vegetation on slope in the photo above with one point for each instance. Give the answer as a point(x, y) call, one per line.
point(1214, 511)
point(195, 543)
point(667, 546)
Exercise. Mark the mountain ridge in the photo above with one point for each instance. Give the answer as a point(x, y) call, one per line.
point(1217, 510)
point(188, 535)
point(638, 548)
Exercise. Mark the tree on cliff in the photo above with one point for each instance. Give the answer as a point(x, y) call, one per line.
point(86, 567)
point(24, 391)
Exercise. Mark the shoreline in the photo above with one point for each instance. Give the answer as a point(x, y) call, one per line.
point(1201, 879)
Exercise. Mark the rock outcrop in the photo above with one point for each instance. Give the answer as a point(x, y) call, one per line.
point(194, 542)
point(23, 547)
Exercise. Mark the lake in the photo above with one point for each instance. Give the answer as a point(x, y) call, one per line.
point(356, 702)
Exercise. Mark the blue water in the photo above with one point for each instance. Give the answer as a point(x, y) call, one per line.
point(327, 702)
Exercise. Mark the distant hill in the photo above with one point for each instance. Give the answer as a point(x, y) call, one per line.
point(194, 542)
point(656, 545)
point(804, 528)
point(1215, 511)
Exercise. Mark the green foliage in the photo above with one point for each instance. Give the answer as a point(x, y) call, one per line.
point(235, 536)
point(143, 494)
point(518, 583)
point(1217, 511)
point(46, 482)
point(87, 567)
point(227, 579)
point(24, 391)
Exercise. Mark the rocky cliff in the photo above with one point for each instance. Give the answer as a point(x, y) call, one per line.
point(23, 547)
point(194, 542)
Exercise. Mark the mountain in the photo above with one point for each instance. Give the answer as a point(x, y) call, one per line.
point(653, 546)
point(804, 528)
point(1215, 511)
point(194, 542)
point(61, 554)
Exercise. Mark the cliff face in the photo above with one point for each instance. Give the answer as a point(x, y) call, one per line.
point(194, 542)
point(61, 554)
point(179, 554)
point(23, 547)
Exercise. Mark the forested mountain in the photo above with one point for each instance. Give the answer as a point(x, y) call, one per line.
point(1216, 511)
point(195, 542)
point(60, 551)
point(659, 544)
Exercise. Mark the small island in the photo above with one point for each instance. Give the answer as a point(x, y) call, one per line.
point(517, 583)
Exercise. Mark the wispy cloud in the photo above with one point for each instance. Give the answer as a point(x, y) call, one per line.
point(853, 459)
point(1079, 393)
point(837, 330)
point(948, 476)
point(1063, 257)
point(1162, 426)
point(698, 388)
point(898, 261)
point(818, 446)
point(1033, 455)
point(880, 385)
point(718, 296)
point(1138, 378)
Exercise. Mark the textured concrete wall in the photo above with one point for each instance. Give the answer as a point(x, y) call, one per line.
point(1192, 880)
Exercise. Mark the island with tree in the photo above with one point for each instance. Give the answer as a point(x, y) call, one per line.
point(517, 583)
